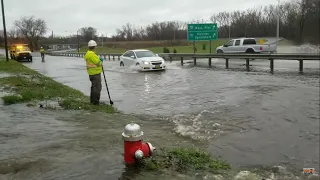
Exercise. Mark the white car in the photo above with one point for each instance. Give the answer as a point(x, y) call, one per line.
point(143, 59)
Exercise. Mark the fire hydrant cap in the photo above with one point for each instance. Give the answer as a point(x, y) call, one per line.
point(132, 132)
point(138, 154)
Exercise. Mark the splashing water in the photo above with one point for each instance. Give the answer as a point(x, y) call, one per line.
point(196, 127)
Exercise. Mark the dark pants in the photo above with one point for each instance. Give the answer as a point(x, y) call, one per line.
point(95, 88)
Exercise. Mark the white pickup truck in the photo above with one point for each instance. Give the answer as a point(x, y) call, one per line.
point(245, 45)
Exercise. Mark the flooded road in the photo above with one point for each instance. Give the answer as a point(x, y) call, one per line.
point(249, 118)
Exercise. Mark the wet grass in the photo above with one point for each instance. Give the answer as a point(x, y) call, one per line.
point(32, 86)
point(12, 99)
point(185, 160)
point(157, 46)
point(13, 67)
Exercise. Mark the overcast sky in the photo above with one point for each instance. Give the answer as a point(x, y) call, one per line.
point(65, 17)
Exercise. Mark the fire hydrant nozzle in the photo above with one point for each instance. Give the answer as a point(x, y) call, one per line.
point(134, 148)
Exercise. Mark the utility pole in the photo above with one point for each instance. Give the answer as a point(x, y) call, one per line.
point(5, 32)
point(102, 40)
point(230, 23)
point(78, 41)
point(278, 20)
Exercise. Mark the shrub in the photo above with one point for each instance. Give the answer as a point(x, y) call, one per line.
point(204, 46)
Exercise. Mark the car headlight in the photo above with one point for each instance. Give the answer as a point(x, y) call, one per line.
point(145, 62)
point(162, 61)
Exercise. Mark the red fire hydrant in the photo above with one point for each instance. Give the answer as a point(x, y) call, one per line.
point(134, 148)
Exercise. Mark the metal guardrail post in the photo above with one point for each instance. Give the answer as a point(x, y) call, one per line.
point(181, 59)
point(300, 65)
point(109, 57)
point(209, 62)
point(271, 65)
point(227, 63)
point(247, 64)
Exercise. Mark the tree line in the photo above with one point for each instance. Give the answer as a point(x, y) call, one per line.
point(299, 21)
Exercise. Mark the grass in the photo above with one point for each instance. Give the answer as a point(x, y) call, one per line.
point(186, 47)
point(181, 46)
point(185, 160)
point(32, 86)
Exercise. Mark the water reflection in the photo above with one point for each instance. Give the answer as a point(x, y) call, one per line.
point(146, 86)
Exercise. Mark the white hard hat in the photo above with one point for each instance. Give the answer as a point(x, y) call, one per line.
point(92, 43)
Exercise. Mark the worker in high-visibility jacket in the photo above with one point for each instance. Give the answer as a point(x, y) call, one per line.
point(42, 52)
point(94, 69)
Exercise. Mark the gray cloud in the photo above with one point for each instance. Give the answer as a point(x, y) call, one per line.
point(64, 17)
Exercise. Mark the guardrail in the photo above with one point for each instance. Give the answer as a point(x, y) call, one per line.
point(227, 56)
point(81, 54)
point(247, 57)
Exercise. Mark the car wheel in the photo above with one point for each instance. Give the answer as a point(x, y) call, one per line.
point(249, 51)
point(121, 63)
point(219, 51)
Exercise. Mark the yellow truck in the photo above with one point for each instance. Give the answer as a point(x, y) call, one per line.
point(20, 52)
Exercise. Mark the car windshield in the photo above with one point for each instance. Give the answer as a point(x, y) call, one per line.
point(141, 54)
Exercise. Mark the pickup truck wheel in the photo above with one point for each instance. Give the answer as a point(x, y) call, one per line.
point(249, 51)
point(121, 64)
point(219, 51)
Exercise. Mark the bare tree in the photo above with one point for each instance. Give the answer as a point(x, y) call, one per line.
point(299, 21)
point(32, 29)
point(88, 33)
point(14, 33)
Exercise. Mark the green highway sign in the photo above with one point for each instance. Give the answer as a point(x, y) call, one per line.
point(202, 36)
point(202, 32)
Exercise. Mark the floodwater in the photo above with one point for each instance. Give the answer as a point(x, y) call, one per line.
point(251, 119)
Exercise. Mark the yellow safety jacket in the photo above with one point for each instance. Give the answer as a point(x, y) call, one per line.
point(41, 50)
point(94, 65)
